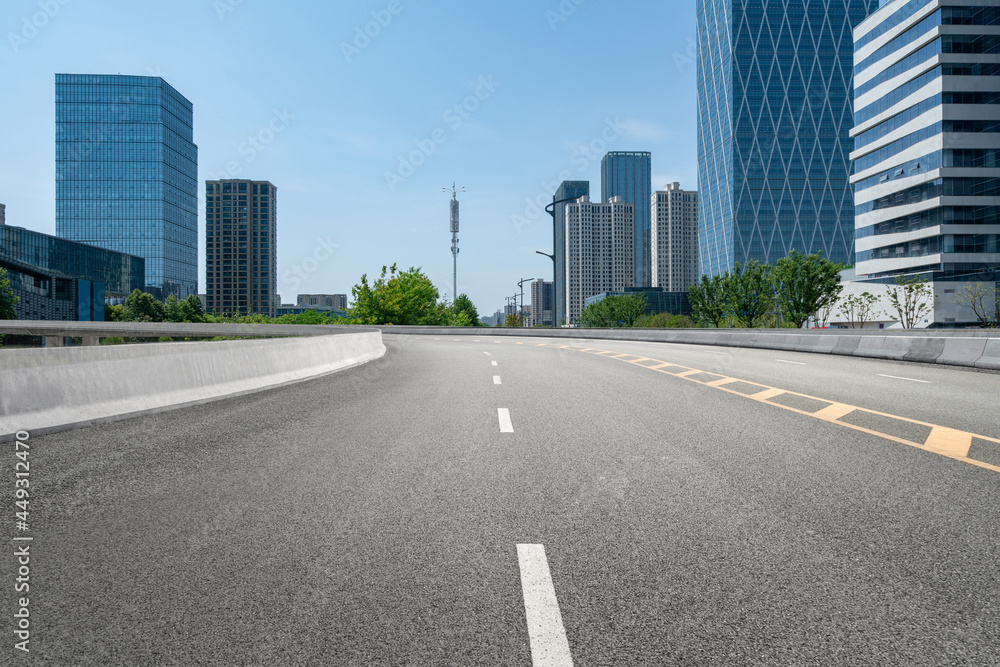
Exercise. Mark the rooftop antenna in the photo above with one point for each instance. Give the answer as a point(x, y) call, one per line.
point(454, 237)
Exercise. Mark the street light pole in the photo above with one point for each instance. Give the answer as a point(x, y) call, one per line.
point(551, 210)
point(520, 284)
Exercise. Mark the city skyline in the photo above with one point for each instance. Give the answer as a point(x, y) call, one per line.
point(378, 128)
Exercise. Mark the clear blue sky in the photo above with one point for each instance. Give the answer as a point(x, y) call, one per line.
point(552, 78)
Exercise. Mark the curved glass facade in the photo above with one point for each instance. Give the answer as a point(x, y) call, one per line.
point(774, 117)
point(127, 174)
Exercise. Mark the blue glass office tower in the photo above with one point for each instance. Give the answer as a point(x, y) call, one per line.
point(774, 117)
point(627, 175)
point(568, 190)
point(127, 174)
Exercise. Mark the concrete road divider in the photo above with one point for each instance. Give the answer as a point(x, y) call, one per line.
point(973, 348)
point(45, 390)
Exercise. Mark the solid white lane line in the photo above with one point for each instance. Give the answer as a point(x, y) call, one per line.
point(896, 377)
point(506, 425)
point(549, 646)
point(797, 363)
point(495, 363)
point(496, 379)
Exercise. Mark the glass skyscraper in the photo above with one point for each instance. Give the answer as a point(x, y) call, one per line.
point(127, 174)
point(626, 174)
point(927, 148)
point(774, 117)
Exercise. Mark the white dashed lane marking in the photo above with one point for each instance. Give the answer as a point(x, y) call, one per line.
point(506, 425)
point(496, 379)
point(549, 646)
point(896, 377)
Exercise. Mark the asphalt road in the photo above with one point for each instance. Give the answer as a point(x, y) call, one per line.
point(380, 516)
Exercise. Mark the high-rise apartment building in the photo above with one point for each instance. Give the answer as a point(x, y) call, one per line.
point(927, 141)
point(626, 174)
point(542, 304)
point(241, 234)
point(600, 250)
point(127, 174)
point(568, 191)
point(675, 238)
point(774, 121)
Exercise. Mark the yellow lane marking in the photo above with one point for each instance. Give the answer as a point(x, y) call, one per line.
point(942, 440)
point(766, 394)
point(949, 442)
point(834, 412)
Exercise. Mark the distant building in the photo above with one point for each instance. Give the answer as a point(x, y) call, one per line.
point(927, 153)
point(568, 190)
point(675, 238)
point(127, 174)
point(323, 301)
point(626, 174)
point(57, 279)
point(600, 250)
point(3, 214)
point(542, 304)
point(241, 234)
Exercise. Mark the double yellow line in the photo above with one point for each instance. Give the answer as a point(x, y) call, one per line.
point(942, 440)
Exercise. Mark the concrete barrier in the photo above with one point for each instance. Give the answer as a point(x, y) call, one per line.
point(972, 348)
point(991, 355)
point(45, 390)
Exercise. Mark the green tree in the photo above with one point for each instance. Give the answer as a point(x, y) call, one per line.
point(407, 297)
point(7, 298)
point(911, 298)
point(749, 292)
point(142, 307)
point(708, 302)
point(614, 311)
point(464, 310)
point(513, 321)
point(982, 300)
point(805, 285)
point(859, 309)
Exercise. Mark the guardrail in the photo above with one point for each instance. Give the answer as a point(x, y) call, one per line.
point(975, 349)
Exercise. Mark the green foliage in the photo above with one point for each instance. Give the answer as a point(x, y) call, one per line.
point(403, 298)
point(7, 298)
point(911, 298)
point(113, 340)
point(749, 293)
point(708, 302)
point(614, 311)
point(513, 321)
point(463, 305)
point(665, 321)
point(142, 307)
point(859, 309)
point(983, 300)
point(805, 284)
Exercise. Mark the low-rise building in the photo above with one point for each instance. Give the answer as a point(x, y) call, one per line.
point(58, 279)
